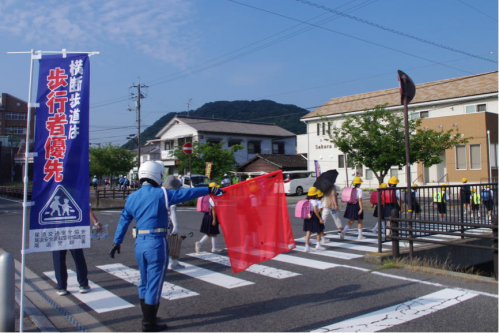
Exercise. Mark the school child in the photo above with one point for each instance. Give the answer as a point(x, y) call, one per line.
point(375, 214)
point(209, 227)
point(315, 222)
point(441, 198)
point(475, 203)
point(465, 195)
point(330, 208)
point(391, 198)
point(355, 211)
point(487, 200)
point(415, 206)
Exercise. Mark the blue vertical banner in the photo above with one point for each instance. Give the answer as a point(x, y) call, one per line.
point(317, 168)
point(60, 216)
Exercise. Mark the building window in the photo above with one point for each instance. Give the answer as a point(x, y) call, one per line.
point(169, 145)
point(323, 128)
point(394, 172)
point(493, 155)
point(254, 147)
point(475, 156)
point(234, 142)
point(213, 141)
point(182, 141)
point(369, 174)
point(476, 108)
point(341, 161)
point(461, 157)
point(15, 116)
point(350, 163)
point(15, 130)
point(419, 114)
point(318, 129)
point(329, 128)
point(278, 148)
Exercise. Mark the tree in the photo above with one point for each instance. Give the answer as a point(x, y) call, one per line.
point(223, 159)
point(110, 160)
point(376, 139)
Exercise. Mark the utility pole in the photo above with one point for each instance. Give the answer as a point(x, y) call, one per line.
point(141, 93)
point(189, 102)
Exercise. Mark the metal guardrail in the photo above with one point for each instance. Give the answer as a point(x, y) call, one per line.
point(113, 193)
point(15, 192)
point(452, 216)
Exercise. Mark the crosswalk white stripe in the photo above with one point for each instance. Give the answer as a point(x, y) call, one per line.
point(215, 278)
point(98, 298)
point(170, 291)
point(304, 262)
point(401, 313)
point(348, 246)
point(332, 254)
point(271, 272)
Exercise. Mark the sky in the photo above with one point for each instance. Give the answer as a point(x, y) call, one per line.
point(192, 52)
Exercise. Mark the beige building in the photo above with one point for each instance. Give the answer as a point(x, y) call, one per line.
point(469, 105)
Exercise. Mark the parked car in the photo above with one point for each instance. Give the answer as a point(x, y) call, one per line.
point(298, 182)
point(197, 181)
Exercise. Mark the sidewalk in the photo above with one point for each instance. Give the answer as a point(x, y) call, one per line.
point(42, 303)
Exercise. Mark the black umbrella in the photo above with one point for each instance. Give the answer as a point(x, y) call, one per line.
point(326, 180)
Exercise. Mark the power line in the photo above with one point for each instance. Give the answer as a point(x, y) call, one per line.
point(403, 34)
point(193, 70)
point(350, 36)
point(354, 80)
point(477, 10)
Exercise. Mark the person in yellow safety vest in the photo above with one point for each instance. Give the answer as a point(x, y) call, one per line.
point(441, 198)
point(475, 203)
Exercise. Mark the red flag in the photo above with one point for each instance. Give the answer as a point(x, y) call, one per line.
point(255, 222)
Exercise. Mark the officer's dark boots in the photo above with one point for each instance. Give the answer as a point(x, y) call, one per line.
point(149, 323)
point(142, 302)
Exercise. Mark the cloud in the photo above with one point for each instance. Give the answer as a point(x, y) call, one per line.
point(156, 28)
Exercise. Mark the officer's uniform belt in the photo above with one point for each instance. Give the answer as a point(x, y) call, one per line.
point(154, 231)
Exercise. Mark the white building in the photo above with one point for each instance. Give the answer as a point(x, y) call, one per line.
point(256, 138)
point(469, 105)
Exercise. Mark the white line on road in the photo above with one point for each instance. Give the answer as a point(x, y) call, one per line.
point(401, 313)
point(271, 272)
point(348, 246)
point(304, 262)
point(332, 254)
point(98, 298)
point(215, 278)
point(169, 292)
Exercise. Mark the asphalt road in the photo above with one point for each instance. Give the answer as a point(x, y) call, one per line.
point(346, 295)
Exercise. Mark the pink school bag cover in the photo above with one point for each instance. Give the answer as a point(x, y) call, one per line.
point(374, 197)
point(302, 209)
point(203, 204)
point(349, 195)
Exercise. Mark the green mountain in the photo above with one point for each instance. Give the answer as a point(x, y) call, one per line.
point(286, 116)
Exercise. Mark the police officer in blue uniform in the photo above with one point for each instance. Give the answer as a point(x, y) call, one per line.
point(149, 207)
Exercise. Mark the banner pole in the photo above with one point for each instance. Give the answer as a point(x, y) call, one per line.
point(25, 196)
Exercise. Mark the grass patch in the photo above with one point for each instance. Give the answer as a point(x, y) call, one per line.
point(428, 265)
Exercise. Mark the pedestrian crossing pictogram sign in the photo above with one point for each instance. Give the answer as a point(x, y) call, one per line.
point(60, 208)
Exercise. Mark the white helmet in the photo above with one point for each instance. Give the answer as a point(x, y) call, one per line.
point(151, 171)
